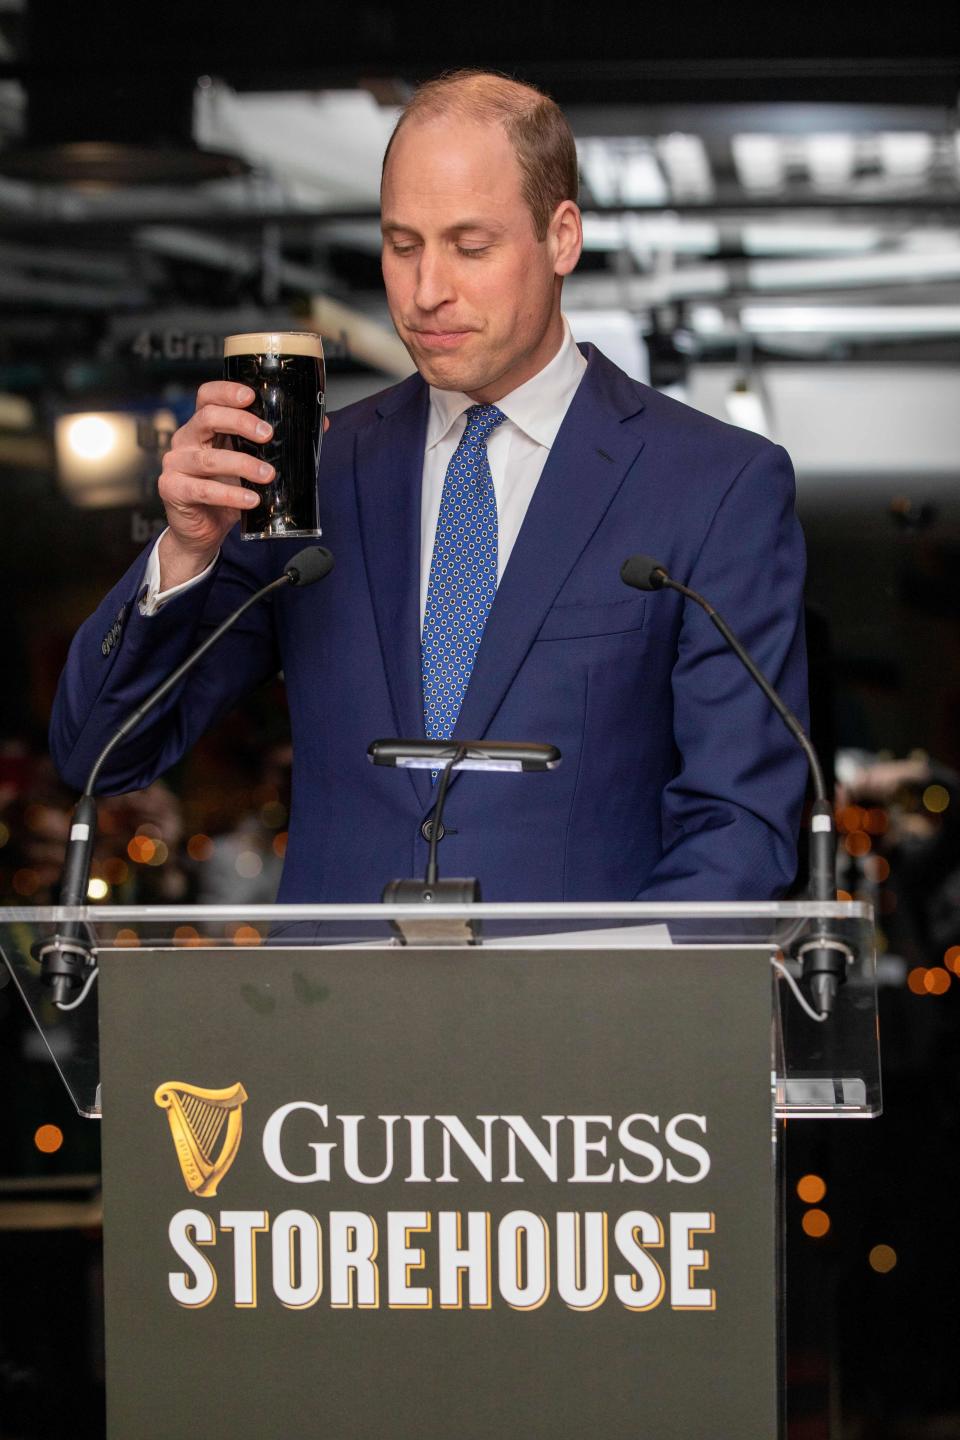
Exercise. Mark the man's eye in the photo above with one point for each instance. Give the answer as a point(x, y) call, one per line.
point(403, 248)
point(472, 249)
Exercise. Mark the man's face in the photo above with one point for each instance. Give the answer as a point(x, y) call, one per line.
point(475, 297)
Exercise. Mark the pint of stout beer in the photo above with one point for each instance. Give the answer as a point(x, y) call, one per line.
point(285, 370)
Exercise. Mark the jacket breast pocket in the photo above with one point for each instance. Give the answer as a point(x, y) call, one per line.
point(565, 622)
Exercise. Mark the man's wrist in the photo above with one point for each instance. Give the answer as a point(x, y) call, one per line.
point(179, 563)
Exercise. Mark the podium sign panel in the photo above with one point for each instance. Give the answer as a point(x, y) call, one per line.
point(357, 1192)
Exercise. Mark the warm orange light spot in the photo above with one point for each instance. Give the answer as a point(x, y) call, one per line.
point(936, 799)
point(127, 938)
point(844, 895)
point(116, 871)
point(186, 935)
point(876, 822)
point(851, 818)
point(857, 843)
point(25, 882)
point(200, 847)
point(247, 935)
point(48, 1139)
point(160, 852)
point(141, 849)
point(937, 980)
point(280, 844)
point(951, 959)
point(882, 1258)
point(811, 1189)
point(877, 869)
point(917, 980)
point(815, 1223)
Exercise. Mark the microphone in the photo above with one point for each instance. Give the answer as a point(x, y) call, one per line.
point(65, 957)
point(824, 958)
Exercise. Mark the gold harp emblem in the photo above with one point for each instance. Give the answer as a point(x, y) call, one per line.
point(206, 1126)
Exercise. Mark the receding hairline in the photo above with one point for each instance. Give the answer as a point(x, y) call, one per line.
point(531, 121)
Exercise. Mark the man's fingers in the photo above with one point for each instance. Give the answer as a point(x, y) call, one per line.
point(216, 419)
point(205, 460)
point(178, 489)
point(224, 392)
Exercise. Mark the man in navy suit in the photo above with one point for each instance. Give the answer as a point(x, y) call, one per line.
point(678, 782)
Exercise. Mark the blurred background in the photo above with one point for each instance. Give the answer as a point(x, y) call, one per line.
point(772, 215)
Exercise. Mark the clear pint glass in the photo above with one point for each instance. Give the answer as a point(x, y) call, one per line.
point(285, 370)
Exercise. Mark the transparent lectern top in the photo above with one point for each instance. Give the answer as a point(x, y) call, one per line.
point(818, 1070)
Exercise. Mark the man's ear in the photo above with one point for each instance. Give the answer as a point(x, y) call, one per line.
point(565, 237)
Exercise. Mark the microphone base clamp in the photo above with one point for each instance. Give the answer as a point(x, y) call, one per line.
point(426, 929)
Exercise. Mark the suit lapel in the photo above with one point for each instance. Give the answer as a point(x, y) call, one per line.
point(594, 449)
point(389, 481)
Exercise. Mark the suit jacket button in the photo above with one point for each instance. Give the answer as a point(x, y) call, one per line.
point(426, 830)
point(105, 648)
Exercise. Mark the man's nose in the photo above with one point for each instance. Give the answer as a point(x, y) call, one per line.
point(434, 281)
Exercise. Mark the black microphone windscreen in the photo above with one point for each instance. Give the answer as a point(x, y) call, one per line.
point(642, 572)
point(309, 565)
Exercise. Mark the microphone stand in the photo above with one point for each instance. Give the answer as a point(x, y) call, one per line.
point(66, 960)
point(824, 955)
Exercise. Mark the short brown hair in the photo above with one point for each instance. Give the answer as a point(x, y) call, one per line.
point(535, 125)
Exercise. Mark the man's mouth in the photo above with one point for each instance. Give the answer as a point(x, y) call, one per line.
point(441, 339)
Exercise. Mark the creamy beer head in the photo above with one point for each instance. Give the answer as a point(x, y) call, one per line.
point(274, 342)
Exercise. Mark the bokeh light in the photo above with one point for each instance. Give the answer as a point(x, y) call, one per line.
point(187, 935)
point(200, 847)
point(246, 935)
point(811, 1189)
point(280, 844)
point(48, 1139)
point(248, 864)
point(141, 849)
point(937, 980)
point(858, 843)
point(882, 1258)
point(877, 869)
point(815, 1223)
point(126, 939)
point(876, 822)
point(97, 889)
point(936, 799)
point(951, 959)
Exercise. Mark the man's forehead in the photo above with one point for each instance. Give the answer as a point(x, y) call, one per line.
point(442, 146)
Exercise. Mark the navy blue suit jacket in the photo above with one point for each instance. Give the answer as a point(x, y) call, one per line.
point(677, 782)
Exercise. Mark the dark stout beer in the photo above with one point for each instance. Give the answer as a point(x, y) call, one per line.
point(285, 371)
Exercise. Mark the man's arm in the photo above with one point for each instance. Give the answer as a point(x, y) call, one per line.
point(120, 654)
point(730, 816)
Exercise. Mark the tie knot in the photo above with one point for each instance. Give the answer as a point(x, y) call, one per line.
point(481, 419)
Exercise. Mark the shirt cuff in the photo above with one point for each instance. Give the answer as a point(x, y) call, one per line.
point(151, 598)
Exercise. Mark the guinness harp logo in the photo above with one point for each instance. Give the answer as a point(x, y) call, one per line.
point(206, 1126)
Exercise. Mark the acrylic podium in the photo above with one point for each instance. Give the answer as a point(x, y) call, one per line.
point(485, 1171)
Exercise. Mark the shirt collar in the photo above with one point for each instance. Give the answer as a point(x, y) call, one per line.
point(536, 407)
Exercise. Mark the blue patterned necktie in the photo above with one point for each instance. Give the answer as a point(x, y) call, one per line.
point(463, 575)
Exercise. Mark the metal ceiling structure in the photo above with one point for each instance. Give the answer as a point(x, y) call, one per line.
point(167, 176)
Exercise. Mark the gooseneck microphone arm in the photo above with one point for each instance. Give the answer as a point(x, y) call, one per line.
point(824, 958)
point(64, 958)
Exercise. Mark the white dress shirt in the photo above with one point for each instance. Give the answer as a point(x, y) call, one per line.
point(517, 451)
